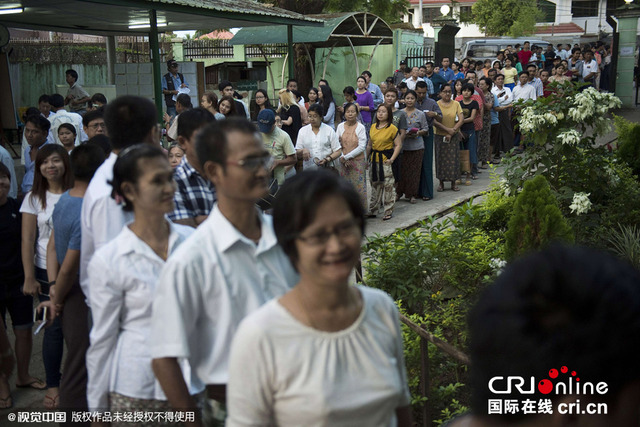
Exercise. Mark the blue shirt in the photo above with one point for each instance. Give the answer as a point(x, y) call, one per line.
point(447, 74)
point(66, 225)
point(378, 97)
point(29, 169)
point(176, 82)
point(459, 75)
point(194, 196)
point(494, 114)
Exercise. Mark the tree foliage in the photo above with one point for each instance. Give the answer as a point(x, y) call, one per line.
point(506, 17)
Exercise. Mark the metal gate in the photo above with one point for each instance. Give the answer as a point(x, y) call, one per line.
point(417, 56)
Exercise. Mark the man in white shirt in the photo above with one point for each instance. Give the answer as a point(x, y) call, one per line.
point(524, 90)
point(413, 79)
point(505, 99)
point(223, 272)
point(535, 81)
point(130, 120)
point(589, 68)
point(64, 116)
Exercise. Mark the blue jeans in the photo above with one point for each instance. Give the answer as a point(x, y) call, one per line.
point(471, 144)
point(53, 342)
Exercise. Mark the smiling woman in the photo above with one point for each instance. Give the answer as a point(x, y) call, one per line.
point(126, 272)
point(325, 341)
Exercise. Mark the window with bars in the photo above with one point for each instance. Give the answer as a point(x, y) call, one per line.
point(583, 9)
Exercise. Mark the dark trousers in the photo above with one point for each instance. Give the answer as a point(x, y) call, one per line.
point(75, 329)
point(52, 343)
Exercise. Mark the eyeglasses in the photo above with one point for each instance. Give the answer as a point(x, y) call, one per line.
point(343, 231)
point(253, 163)
point(98, 125)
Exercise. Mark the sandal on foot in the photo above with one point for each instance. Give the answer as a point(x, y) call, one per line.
point(36, 384)
point(6, 402)
point(440, 189)
point(455, 188)
point(387, 217)
point(467, 182)
point(51, 402)
point(412, 201)
point(426, 199)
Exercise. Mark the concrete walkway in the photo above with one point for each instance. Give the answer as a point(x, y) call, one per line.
point(405, 215)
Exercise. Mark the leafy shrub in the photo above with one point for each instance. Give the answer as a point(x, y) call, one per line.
point(536, 219)
point(625, 242)
point(628, 143)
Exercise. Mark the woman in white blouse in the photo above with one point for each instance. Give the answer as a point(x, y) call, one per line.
point(124, 274)
point(317, 143)
point(353, 140)
point(326, 353)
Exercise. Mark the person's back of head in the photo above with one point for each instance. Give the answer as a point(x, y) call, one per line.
point(99, 98)
point(192, 120)
point(130, 120)
point(85, 160)
point(184, 100)
point(56, 101)
point(551, 314)
point(101, 141)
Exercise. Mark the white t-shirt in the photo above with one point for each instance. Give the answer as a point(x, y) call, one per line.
point(319, 145)
point(33, 205)
point(589, 67)
point(285, 373)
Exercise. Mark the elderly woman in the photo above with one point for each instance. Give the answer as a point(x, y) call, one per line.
point(353, 140)
point(125, 272)
point(300, 359)
point(317, 142)
point(447, 140)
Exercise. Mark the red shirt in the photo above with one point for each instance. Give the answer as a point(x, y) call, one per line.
point(524, 56)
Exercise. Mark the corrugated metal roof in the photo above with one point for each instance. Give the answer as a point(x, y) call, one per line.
point(237, 6)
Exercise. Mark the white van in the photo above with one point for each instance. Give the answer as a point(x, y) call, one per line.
point(483, 49)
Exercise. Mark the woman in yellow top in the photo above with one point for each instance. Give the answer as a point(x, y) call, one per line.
point(447, 139)
point(510, 73)
point(383, 149)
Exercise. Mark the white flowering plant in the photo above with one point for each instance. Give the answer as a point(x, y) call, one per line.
point(562, 135)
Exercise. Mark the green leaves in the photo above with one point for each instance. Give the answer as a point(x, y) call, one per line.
point(506, 17)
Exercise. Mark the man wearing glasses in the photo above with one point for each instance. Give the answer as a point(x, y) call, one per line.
point(93, 123)
point(171, 82)
point(227, 269)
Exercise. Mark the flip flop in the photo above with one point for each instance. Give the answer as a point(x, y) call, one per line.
point(413, 201)
point(387, 217)
point(32, 385)
point(426, 199)
point(440, 189)
point(6, 403)
point(455, 188)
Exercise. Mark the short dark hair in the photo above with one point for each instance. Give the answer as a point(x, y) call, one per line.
point(98, 97)
point(429, 63)
point(296, 205)
point(468, 87)
point(323, 81)
point(44, 98)
point(72, 73)
point(69, 127)
point(56, 100)
point(212, 142)
point(532, 66)
point(129, 120)
point(4, 171)
point(565, 305)
point(412, 93)
point(349, 90)
point(523, 72)
point(367, 72)
point(223, 84)
point(402, 85)
point(101, 141)
point(421, 84)
point(445, 57)
point(316, 108)
point(184, 100)
point(85, 160)
point(576, 49)
point(349, 105)
point(39, 121)
point(92, 115)
point(292, 80)
point(487, 80)
point(127, 169)
point(191, 120)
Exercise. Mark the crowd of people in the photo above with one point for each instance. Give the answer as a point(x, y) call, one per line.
point(172, 291)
